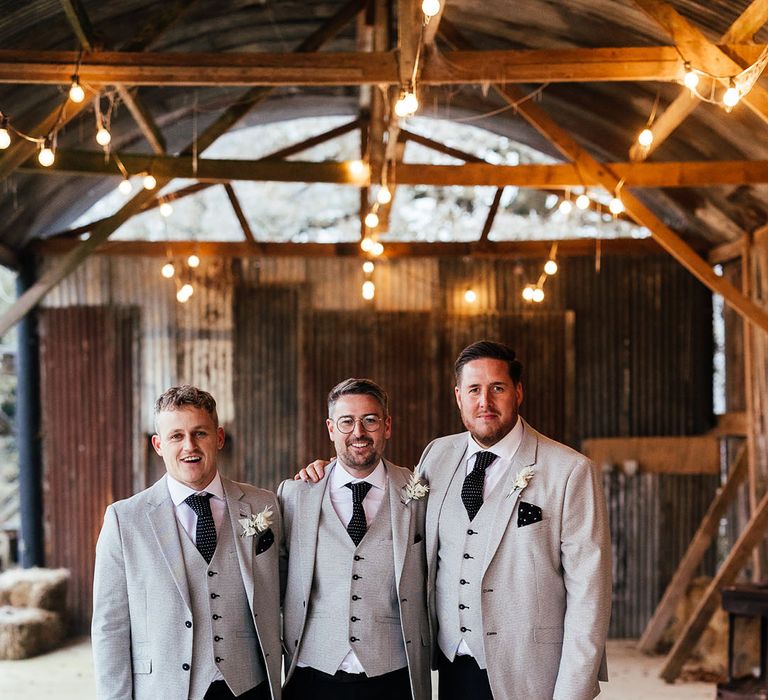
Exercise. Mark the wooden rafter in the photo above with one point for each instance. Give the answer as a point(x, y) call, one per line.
point(605, 175)
point(70, 261)
point(478, 173)
point(754, 17)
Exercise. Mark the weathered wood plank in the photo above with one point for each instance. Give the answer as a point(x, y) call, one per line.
point(666, 455)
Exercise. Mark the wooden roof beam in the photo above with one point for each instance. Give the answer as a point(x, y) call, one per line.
point(745, 26)
point(240, 214)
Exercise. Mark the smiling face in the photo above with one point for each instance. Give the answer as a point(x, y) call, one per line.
point(359, 451)
point(188, 440)
point(488, 400)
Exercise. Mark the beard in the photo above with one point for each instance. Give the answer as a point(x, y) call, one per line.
point(359, 460)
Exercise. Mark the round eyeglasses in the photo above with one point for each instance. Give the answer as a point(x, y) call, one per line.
point(371, 423)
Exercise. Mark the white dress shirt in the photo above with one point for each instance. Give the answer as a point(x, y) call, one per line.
point(495, 473)
point(186, 516)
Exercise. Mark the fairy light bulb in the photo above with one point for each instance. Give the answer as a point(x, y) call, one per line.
point(76, 92)
point(367, 244)
point(166, 209)
point(5, 136)
point(369, 290)
point(181, 296)
point(407, 104)
point(150, 182)
point(368, 267)
point(46, 155)
point(616, 206)
point(358, 169)
point(103, 137)
point(384, 196)
point(372, 219)
point(193, 260)
point(691, 78)
point(566, 207)
point(187, 289)
point(582, 202)
point(430, 7)
point(168, 270)
point(731, 96)
point(550, 267)
point(645, 138)
point(470, 296)
point(528, 292)
point(538, 295)
point(125, 186)
point(377, 249)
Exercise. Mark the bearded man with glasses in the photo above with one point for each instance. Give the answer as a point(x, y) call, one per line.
point(355, 621)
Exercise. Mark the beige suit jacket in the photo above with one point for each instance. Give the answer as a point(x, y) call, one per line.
point(547, 586)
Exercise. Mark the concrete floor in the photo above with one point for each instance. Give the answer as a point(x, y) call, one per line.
point(66, 674)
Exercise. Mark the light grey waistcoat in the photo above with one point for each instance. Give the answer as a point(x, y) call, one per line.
point(353, 604)
point(227, 616)
point(459, 577)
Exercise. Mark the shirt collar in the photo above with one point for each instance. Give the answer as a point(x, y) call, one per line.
point(377, 478)
point(504, 448)
point(180, 491)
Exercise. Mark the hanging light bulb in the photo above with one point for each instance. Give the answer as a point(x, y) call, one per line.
point(181, 296)
point(367, 244)
point(369, 290)
point(550, 267)
point(377, 249)
point(125, 186)
point(5, 136)
point(372, 219)
point(46, 155)
point(691, 78)
point(358, 169)
point(187, 289)
point(470, 296)
point(367, 267)
point(166, 209)
point(150, 182)
point(528, 292)
point(407, 104)
point(168, 270)
point(193, 260)
point(537, 295)
point(616, 206)
point(384, 196)
point(731, 96)
point(566, 207)
point(430, 7)
point(103, 137)
point(76, 92)
point(582, 202)
point(645, 138)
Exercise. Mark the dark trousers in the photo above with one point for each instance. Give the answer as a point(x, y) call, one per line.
point(311, 683)
point(219, 690)
point(462, 680)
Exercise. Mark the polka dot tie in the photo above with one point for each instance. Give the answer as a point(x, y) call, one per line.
point(205, 532)
point(472, 489)
point(357, 523)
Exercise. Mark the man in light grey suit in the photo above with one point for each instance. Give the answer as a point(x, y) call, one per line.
point(355, 615)
point(186, 590)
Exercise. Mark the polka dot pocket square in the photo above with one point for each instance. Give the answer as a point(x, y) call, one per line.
point(266, 540)
point(528, 514)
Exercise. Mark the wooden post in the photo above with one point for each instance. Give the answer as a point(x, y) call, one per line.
point(693, 556)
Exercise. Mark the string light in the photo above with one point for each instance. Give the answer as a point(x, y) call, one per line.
point(430, 8)
point(46, 155)
point(369, 290)
point(645, 138)
point(372, 219)
point(528, 292)
point(550, 267)
point(168, 270)
point(691, 78)
point(150, 182)
point(377, 249)
point(384, 196)
point(76, 92)
point(582, 202)
point(367, 244)
point(616, 206)
point(103, 137)
point(358, 169)
point(537, 295)
point(193, 261)
point(566, 207)
point(5, 136)
point(470, 296)
point(166, 209)
point(187, 289)
point(731, 96)
point(407, 104)
point(368, 267)
point(125, 187)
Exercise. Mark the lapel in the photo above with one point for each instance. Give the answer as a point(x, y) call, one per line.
point(445, 462)
point(238, 508)
point(162, 520)
point(400, 515)
point(308, 506)
point(524, 457)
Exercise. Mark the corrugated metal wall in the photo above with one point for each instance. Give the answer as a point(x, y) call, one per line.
point(87, 356)
point(623, 352)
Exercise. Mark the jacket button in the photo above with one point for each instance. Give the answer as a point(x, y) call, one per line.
point(188, 624)
point(462, 606)
point(219, 659)
point(185, 667)
point(217, 617)
point(353, 639)
point(464, 629)
point(214, 595)
point(470, 531)
point(356, 577)
point(354, 619)
point(217, 638)
point(355, 597)
point(357, 557)
point(463, 582)
point(212, 573)
point(466, 556)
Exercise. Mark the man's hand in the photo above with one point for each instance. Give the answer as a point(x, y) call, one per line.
point(312, 472)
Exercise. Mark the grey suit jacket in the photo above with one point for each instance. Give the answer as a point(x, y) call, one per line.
point(301, 503)
point(141, 597)
point(546, 586)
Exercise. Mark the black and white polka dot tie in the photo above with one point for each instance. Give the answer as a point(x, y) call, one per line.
point(205, 532)
point(357, 523)
point(472, 489)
